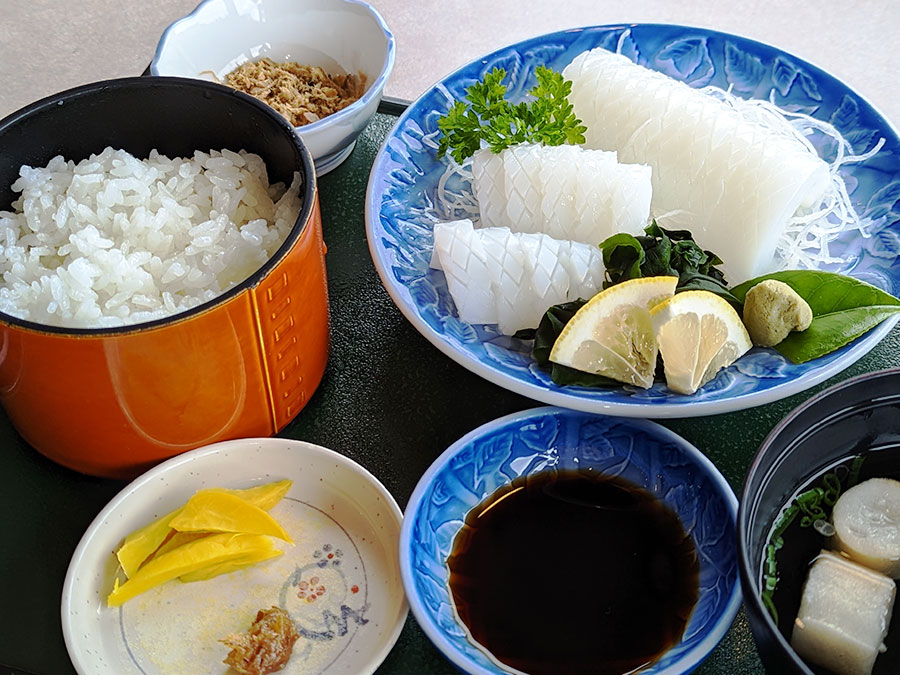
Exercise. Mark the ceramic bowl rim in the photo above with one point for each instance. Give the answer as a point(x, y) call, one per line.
point(691, 659)
point(373, 91)
point(309, 193)
point(748, 511)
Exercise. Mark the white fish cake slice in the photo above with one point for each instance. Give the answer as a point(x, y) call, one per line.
point(867, 524)
point(733, 183)
point(844, 615)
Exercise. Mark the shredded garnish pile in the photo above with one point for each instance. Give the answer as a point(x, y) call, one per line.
point(302, 94)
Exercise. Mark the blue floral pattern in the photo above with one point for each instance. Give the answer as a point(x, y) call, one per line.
point(405, 174)
point(546, 438)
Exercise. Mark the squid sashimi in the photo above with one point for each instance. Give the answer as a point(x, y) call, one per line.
point(564, 191)
point(509, 278)
point(732, 182)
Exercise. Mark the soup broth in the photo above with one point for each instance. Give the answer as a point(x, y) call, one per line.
point(801, 542)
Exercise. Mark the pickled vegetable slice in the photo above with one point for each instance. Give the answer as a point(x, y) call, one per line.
point(220, 511)
point(140, 544)
point(189, 557)
point(231, 565)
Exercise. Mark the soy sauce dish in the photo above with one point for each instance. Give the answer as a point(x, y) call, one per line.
point(553, 540)
point(795, 565)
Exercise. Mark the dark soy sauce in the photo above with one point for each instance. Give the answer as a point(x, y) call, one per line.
point(802, 545)
point(574, 572)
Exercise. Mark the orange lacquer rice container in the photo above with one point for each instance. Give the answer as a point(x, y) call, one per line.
point(113, 402)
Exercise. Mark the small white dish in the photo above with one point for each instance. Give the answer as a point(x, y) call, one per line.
point(341, 36)
point(345, 526)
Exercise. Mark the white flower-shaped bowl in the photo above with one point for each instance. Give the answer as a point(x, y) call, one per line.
point(341, 36)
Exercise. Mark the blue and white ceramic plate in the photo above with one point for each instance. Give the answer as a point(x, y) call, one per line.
point(555, 438)
point(405, 175)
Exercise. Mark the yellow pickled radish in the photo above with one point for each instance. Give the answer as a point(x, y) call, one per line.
point(230, 566)
point(140, 544)
point(263, 496)
point(612, 335)
point(189, 557)
point(220, 511)
point(175, 540)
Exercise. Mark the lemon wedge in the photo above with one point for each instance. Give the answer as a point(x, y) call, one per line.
point(698, 334)
point(612, 334)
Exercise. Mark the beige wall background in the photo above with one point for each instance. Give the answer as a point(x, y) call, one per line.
point(50, 45)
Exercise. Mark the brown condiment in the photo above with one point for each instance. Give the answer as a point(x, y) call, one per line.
point(266, 647)
point(301, 93)
point(574, 572)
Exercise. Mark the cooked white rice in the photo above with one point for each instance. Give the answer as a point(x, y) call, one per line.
point(115, 240)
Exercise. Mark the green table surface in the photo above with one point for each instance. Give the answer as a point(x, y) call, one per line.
point(389, 400)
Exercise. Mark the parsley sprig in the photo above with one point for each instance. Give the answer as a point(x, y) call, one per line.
point(488, 117)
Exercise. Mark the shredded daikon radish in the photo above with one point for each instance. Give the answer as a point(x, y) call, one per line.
point(806, 238)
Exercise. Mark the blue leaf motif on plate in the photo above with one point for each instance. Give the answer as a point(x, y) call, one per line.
point(609, 39)
point(883, 201)
point(539, 437)
point(627, 46)
point(459, 330)
point(744, 70)
point(847, 114)
point(783, 75)
point(885, 244)
point(861, 140)
point(809, 85)
point(493, 451)
point(544, 54)
point(762, 363)
point(621, 42)
point(422, 291)
point(690, 57)
point(594, 443)
point(507, 357)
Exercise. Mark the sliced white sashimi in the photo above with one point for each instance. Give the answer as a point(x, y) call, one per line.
point(731, 181)
point(488, 184)
point(557, 176)
point(461, 255)
point(565, 191)
point(510, 277)
point(496, 276)
point(521, 165)
point(584, 267)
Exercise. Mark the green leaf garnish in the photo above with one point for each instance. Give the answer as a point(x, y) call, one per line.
point(810, 506)
point(490, 119)
point(843, 309)
point(661, 252)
